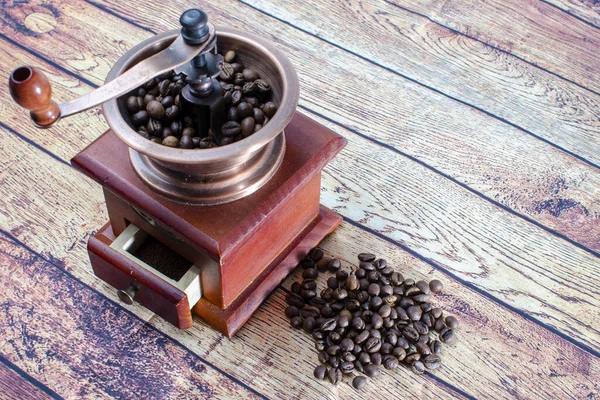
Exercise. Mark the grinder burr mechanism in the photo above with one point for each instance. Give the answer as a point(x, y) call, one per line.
point(237, 217)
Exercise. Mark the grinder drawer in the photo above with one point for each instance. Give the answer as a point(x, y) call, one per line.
point(129, 262)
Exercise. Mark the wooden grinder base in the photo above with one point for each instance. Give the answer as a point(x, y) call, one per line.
point(244, 249)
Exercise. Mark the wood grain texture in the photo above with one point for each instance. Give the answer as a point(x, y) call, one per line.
point(206, 341)
point(458, 66)
point(13, 385)
point(587, 10)
point(476, 150)
point(505, 274)
point(530, 29)
point(82, 345)
point(476, 241)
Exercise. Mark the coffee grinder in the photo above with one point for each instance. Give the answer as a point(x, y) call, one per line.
point(237, 218)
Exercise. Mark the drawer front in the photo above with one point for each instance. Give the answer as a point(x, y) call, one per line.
point(113, 262)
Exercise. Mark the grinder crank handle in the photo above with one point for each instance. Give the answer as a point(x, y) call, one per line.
point(30, 88)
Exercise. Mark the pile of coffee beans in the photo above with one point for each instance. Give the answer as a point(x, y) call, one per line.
point(155, 110)
point(368, 318)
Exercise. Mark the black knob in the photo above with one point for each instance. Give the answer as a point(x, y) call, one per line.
point(194, 28)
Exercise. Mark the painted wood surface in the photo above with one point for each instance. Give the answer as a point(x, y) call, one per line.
point(586, 10)
point(441, 188)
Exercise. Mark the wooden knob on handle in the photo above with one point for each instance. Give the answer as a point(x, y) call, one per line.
point(30, 89)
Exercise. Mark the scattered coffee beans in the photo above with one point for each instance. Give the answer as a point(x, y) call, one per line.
point(154, 107)
point(368, 318)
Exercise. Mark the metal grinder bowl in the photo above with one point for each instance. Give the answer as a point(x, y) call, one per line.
point(220, 174)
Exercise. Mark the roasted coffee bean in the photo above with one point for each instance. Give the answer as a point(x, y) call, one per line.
point(412, 357)
point(423, 349)
point(436, 286)
point(334, 375)
point(371, 370)
point(387, 271)
point(320, 372)
point(247, 126)
point(333, 350)
point(156, 140)
point(341, 276)
point(323, 356)
point(418, 367)
point(249, 89)
point(140, 118)
point(402, 315)
point(436, 313)
point(420, 327)
point(188, 132)
point(237, 67)
point(186, 142)
point(347, 344)
point(263, 86)
point(414, 313)
point(373, 276)
point(170, 141)
point(428, 320)
point(366, 257)
point(337, 306)
point(451, 321)
point(309, 312)
point(292, 311)
point(377, 321)
point(403, 342)
point(334, 265)
point(372, 345)
point(436, 347)
point(386, 348)
point(333, 283)
point(423, 287)
point(296, 322)
point(334, 362)
point(228, 58)
point(421, 298)
point(439, 325)
point(238, 80)
point(343, 321)
point(310, 273)
point(373, 289)
point(295, 300)
point(352, 282)
point(269, 109)
point(167, 101)
point(411, 334)
point(250, 74)
point(309, 324)
point(340, 294)
point(231, 129)
point(432, 361)
point(447, 335)
point(348, 356)
point(296, 287)
point(359, 382)
point(390, 362)
point(329, 325)
point(396, 278)
point(172, 112)
point(399, 353)
point(307, 263)
point(358, 323)
point(227, 72)
point(243, 110)
point(347, 367)
point(132, 104)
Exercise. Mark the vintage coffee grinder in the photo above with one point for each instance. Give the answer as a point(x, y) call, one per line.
point(240, 215)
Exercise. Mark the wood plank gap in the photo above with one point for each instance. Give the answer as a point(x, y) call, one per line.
point(438, 267)
point(29, 378)
point(53, 261)
point(454, 180)
point(391, 70)
point(121, 17)
point(34, 144)
point(493, 47)
point(571, 14)
point(47, 60)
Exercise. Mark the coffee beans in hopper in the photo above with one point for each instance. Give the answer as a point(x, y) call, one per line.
point(368, 319)
point(155, 113)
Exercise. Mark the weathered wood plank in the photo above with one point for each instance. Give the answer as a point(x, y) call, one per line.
point(478, 151)
point(458, 66)
point(266, 337)
point(587, 10)
point(530, 29)
point(14, 386)
point(552, 188)
point(81, 345)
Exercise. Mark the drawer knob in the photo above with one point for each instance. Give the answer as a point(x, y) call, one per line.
point(127, 295)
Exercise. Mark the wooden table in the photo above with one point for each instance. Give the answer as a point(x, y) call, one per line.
point(473, 156)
